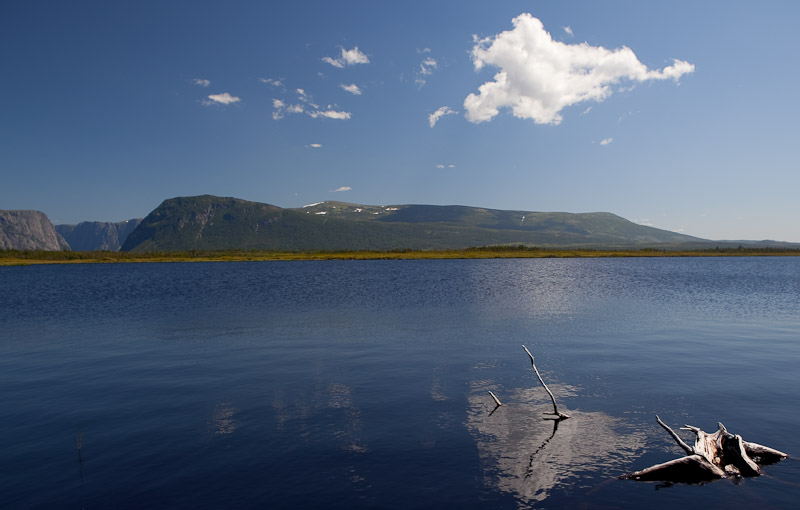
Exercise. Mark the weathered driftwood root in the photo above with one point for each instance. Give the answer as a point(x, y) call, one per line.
point(559, 415)
point(713, 456)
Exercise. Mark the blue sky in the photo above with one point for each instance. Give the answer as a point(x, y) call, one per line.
point(681, 115)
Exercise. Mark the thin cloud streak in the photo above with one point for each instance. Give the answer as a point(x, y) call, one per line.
point(221, 99)
point(438, 114)
point(352, 88)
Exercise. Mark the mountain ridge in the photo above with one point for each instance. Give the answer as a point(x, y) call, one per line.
point(208, 222)
point(211, 222)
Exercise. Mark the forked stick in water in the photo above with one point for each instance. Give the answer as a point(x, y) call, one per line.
point(556, 412)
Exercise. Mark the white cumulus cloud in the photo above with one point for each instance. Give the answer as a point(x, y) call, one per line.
point(441, 112)
point(341, 188)
point(539, 76)
point(606, 141)
point(270, 81)
point(315, 145)
point(347, 58)
point(223, 99)
point(352, 88)
point(201, 81)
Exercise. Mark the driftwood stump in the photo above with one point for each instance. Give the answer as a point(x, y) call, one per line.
point(713, 456)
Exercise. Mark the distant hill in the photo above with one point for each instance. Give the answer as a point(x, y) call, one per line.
point(213, 223)
point(97, 235)
point(29, 230)
point(599, 227)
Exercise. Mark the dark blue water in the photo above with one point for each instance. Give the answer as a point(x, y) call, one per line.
point(364, 383)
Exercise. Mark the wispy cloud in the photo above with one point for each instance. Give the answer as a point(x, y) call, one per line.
point(306, 105)
point(426, 68)
point(539, 76)
point(280, 108)
point(568, 30)
point(352, 88)
point(445, 166)
point(270, 81)
point(315, 145)
point(347, 58)
point(341, 188)
point(606, 141)
point(329, 114)
point(624, 116)
point(305, 98)
point(441, 112)
point(221, 99)
point(201, 81)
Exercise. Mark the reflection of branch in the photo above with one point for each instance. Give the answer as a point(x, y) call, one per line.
point(561, 416)
point(530, 464)
point(79, 444)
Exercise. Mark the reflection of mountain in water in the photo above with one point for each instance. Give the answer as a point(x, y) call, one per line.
point(529, 456)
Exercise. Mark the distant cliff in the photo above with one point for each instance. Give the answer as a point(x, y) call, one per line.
point(29, 230)
point(97, 235)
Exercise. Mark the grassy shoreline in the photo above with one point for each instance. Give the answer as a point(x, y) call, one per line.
point(15, 258)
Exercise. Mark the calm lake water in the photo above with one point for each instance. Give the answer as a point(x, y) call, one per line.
point(355, 384)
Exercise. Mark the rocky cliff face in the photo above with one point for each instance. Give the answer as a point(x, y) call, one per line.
point(29, 230)
point(96, 235)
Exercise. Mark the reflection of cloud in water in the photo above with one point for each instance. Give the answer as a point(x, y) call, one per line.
point(528, 456)
point(222, 420)
point(300, 414)
point(437, 390)
point(339, 397)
